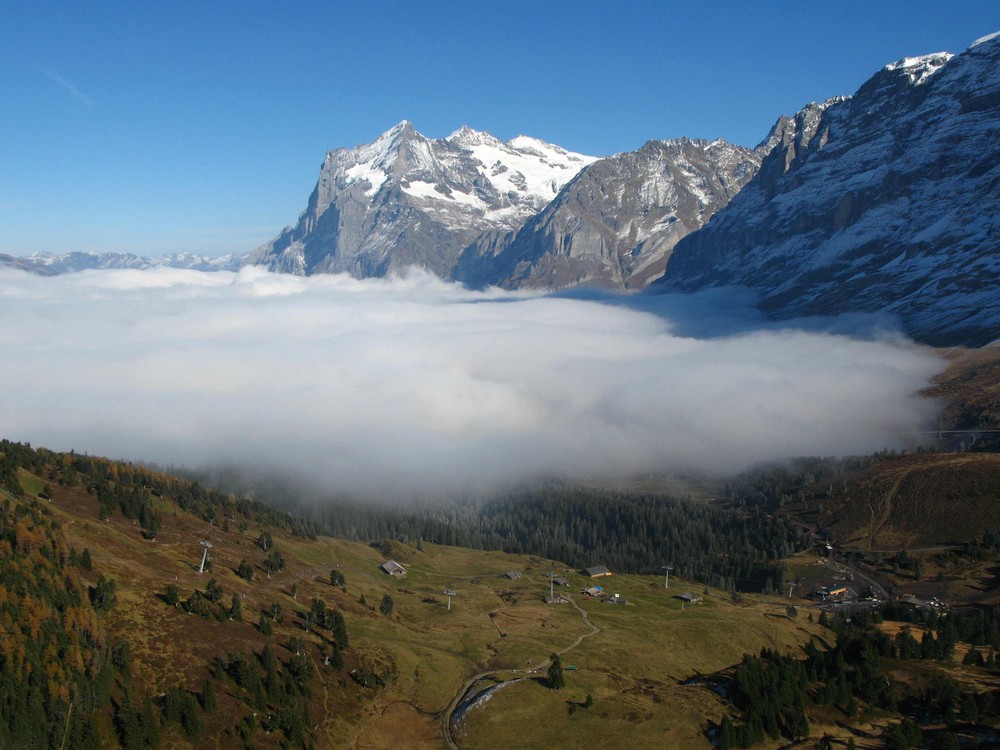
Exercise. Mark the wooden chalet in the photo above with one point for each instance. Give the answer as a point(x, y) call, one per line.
point(393, 568)
point(690, 597)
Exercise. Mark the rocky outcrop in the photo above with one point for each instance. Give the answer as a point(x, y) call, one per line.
point(615, 224)
point(888, 200)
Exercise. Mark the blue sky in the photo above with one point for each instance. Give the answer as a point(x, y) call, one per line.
point(200, 126)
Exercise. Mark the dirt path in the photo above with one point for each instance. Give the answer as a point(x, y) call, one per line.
point(594, 630)
point(883, 509)
point(446, 719)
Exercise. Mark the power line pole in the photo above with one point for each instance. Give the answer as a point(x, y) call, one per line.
point(204, 558)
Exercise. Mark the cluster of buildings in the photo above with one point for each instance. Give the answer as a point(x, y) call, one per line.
point(393, 568)
point(835, 594)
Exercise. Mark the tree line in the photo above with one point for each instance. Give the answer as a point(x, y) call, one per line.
point(772, 692)
point(131, 489)
point(629, 532)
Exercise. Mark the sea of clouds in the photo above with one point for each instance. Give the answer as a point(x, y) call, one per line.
point(414, 384)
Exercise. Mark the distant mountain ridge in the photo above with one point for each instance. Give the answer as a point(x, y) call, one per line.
point(50, 264)
point(474, 208)
point(884, 201)
point(888, 200)
point(23, 264)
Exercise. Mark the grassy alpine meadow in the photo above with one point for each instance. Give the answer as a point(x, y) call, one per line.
point(633, 666)
point(639, 670)
point(635, 670)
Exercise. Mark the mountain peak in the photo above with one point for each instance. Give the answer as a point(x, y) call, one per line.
point(406, 199)
point(463, 132)
point(401, 131)
point(466, 136)
point(403, 126)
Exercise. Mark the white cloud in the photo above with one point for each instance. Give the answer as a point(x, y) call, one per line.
point(413, 383)
point(69, 88)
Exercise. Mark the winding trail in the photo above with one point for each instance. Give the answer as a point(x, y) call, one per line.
point(446, 719)
point(594, 630)
point(884, 509)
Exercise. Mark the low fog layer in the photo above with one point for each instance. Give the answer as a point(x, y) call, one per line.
point(384, 386)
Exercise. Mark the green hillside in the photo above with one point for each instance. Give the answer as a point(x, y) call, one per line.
point(290, 640)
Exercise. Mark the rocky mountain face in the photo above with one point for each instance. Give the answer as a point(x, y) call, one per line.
point(888, 200)
point(615, 224)
point(409, 200)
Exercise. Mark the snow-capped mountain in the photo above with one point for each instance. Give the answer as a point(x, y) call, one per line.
point(72, 262)
point(616, 223)
point(23, 264)
point(409, 200)
point(888, 200)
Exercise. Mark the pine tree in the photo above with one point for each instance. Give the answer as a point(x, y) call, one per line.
point(235, 609)
point(727, 734)
point(213, 591)
point(102, 595)
point(387, 605)
point(264, 625)
point(245, 571)
point(172, 596)
point(556, 680)
point(207, 697)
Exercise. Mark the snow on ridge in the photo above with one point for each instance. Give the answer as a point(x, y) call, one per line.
point(524, 168)
point(922, 67)
point(529, 171)
point(466, 136)
point(985, 39)
point(374, 162)
point(466, 180)
point(913, 62)
point(542, 148)
point(423, 189)
point(382, 150)
point(365, 171)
